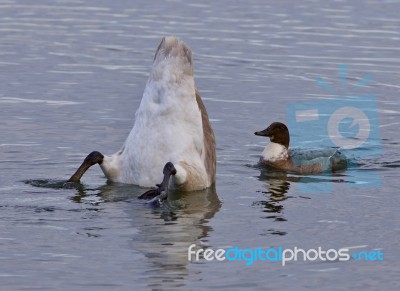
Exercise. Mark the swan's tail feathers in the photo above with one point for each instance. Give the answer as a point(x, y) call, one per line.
point(172, 47)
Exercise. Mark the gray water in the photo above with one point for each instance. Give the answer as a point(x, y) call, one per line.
point(72, 74)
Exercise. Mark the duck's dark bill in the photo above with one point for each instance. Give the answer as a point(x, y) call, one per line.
point(262, 133)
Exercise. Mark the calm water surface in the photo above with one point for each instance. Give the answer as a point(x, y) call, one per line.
point(72, 74)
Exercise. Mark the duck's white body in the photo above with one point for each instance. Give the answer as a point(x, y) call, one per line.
point(169, 126)
point(275, 152)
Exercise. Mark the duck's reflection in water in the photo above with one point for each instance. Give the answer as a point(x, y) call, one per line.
point(165, 233)
point(277, 185)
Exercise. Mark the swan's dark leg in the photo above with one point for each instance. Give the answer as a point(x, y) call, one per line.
point(161, 192)
point(92, 159)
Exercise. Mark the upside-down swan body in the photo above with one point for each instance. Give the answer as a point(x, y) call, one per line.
point(171, 130)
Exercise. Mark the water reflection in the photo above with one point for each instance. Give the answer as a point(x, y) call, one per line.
point(166, 233)
point(277, 185)
point(109, 192)
point(162, 234)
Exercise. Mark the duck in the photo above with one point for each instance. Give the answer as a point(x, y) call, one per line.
point(278, 155)
point(172, 139)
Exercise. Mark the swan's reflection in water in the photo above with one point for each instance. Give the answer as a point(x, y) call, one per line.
point(163, 234)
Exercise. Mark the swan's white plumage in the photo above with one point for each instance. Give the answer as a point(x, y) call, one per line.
point(168, 127)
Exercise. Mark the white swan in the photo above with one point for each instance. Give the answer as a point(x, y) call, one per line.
point(171, 128)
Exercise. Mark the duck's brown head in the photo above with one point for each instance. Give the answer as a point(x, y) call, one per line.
point(277, 133)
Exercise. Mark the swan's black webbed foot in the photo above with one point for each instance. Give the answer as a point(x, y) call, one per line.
point(92, 159)
point(159, 194)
